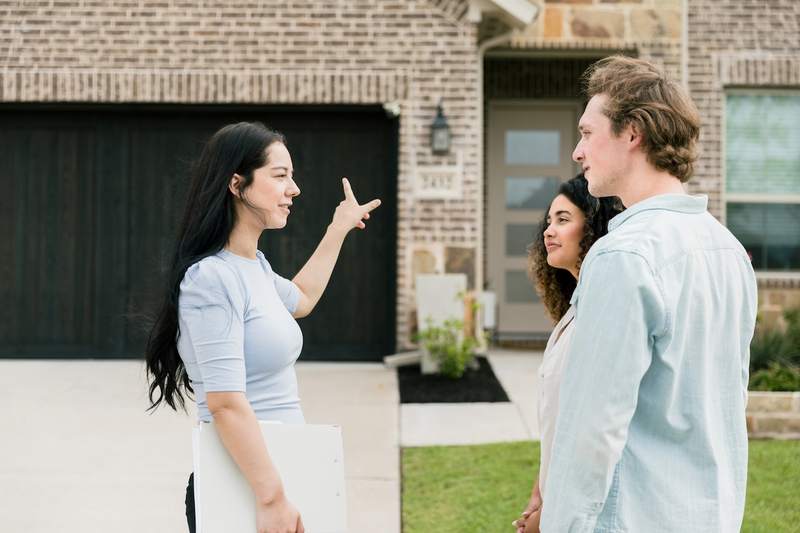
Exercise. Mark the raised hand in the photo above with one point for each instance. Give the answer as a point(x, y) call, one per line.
point(349, 213)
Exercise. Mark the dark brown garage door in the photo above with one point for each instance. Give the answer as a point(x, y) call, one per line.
point(89, 201)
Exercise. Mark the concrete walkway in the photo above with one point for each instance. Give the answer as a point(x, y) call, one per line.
point(79, 454)
point(481, 423)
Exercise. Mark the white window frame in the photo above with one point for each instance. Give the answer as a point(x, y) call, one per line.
point(750, 198)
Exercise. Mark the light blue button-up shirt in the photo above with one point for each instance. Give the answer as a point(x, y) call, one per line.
point(651, 434)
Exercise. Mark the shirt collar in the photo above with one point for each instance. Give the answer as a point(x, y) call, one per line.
point(681, 203)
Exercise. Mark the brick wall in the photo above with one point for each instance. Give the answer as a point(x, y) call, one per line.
point(736, 43)
point(740, 43)
point(412, 52)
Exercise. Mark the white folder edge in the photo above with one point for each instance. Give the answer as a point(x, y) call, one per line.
point(196, 447)
point(198, 523)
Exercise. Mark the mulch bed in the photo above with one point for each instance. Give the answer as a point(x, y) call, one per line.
point(479, 385)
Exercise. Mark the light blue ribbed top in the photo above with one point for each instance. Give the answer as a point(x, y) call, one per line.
point(237, 333)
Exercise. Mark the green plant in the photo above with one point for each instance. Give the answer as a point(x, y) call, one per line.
point(792, 317)
point(449, 347)
point(776, 346)
point(777, 377)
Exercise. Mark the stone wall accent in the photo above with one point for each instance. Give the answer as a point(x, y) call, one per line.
point(595, 24)
point(773, 415)
point(409, 53)
point(773, 302)
point(590, 29)
point(461, 260)
point(609, 21)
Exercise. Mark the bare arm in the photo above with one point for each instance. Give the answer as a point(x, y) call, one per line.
point(315, 274)
point(240, 433)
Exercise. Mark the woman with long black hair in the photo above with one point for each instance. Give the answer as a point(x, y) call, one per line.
point(226, 331)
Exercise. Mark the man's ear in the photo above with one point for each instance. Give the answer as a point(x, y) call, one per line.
point(234, 184)
point(633, 134)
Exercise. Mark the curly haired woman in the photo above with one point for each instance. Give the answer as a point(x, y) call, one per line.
point(574, 221)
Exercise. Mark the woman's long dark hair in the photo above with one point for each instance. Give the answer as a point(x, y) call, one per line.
point(556, 285)
point(206, 225)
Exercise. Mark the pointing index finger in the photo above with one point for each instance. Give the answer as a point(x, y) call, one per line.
point(372, 205)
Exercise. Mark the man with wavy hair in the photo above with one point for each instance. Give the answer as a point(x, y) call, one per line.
point(651, 433)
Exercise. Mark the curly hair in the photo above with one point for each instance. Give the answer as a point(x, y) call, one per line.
point(640, 94)
point(556, 285)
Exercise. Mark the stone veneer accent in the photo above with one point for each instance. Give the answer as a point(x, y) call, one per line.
point(774, 415)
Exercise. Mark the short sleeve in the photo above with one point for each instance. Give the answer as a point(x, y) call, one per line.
point(211, 311)
point(287, 290)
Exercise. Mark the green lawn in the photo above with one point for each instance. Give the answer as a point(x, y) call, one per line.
point(481, 489)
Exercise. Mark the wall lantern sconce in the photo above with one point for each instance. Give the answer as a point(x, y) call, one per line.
point(440, 133)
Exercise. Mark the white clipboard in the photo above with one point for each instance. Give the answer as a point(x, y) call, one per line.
point(309, 459)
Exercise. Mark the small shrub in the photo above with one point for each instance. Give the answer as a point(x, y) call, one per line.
point(774, 346)
point(449, 347)
point(777, 377)
point(792, 317)
point(768, 346)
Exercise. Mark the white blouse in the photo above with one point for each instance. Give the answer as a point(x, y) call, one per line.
point(550, 373)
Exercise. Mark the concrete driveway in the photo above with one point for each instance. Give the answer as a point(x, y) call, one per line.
point(78, 453)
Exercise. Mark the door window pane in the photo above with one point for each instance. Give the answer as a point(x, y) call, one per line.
point(762, 143)
point(533, 147)
point(769, 232)
point(519, 289)
point(518, 238)
point(531, 193)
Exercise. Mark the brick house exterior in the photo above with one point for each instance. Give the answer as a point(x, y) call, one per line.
point(741, 45)
point(406, 55)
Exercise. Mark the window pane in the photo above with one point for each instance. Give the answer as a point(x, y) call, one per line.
point(519, 289)
point(531, 193)
point(518, 237)
point(769, 232)
point(762, 150)
point(532, 147)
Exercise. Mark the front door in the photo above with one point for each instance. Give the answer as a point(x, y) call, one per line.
point(529, 155)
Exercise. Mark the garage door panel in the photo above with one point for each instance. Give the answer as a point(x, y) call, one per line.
point(49, 176)
point(353, 308)
point(95, 197)
point(163, 155)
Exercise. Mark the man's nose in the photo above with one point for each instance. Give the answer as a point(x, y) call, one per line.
point(577, 153)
